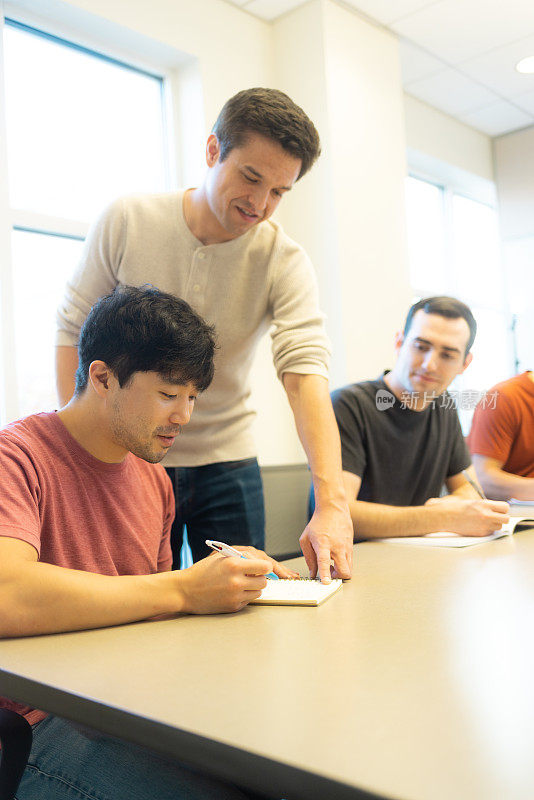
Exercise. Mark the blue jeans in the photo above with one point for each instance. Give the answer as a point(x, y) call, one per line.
point(68, 762)
point(221, 501)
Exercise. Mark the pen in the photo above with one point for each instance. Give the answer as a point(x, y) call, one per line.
point(474, 484)
point(227, 551)
point(479, 491)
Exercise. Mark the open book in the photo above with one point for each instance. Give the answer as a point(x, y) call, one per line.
point(296, 592)
point(449, 539)
point(522, 508)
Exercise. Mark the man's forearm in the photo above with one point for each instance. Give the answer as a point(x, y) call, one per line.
point(500, 485)
point(317, 429)
point(328, 535)
point(66, 366)
point(37, 598)
point(377, 521)
point(466, 492)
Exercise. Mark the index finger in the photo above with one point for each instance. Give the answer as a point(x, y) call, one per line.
point(500, 506)
point(279, 569)
point(499, 519)
point(255, 566)
point(282, 571)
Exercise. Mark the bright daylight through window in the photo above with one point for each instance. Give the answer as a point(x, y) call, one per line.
point(82, 129)
point(454, 249)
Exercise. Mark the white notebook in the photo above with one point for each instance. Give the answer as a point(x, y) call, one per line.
point(448, 539)
point(297, 592)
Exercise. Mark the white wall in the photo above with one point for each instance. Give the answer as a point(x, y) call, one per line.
point(233, 48)
point(514, 168)
point(349, 211)
point(447, 140)
point(368, 152)
point(307, 214)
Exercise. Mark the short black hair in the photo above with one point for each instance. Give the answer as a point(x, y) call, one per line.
point(448, 307)
point(145, 330)
point(272, 114)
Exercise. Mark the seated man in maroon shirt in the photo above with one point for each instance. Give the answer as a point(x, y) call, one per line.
point(85, 518)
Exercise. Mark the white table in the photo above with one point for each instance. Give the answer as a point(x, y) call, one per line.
point(415, 681)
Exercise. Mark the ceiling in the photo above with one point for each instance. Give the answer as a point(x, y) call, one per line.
point(456, 55)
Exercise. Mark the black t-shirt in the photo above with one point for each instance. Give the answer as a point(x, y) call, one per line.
point(402, 456)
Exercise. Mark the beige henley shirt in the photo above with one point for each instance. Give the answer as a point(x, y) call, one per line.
point(242, 287)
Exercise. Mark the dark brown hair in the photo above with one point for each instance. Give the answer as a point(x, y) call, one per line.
point(446, 307)
point(272, 114)
point(145, 330)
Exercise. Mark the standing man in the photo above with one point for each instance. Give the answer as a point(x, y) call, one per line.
point(216, 247)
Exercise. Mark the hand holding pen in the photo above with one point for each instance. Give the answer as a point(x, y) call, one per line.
point(217, 585)
point(251, 552)
point(462, 514)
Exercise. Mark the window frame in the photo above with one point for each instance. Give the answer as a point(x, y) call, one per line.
point(453, 181)
point(450, 189)
point(12, 218)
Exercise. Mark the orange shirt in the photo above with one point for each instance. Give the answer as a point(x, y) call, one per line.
point(503, 426)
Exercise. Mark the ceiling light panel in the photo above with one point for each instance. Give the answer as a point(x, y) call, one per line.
point(416, 63)
point(387, 11)
point(456, 30)
point(451, 92)
point(498, 118)
point(496, 69)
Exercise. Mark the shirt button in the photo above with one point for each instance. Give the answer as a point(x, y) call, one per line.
point(196, 287)
point(202, 255)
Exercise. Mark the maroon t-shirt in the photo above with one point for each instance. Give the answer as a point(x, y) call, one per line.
point(80, 512)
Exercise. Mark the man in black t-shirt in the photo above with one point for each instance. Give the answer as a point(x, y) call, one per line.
point(401, 438)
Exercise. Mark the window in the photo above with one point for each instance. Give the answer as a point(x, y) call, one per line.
point(82, 128)
point(426, 235)
point(454, 249)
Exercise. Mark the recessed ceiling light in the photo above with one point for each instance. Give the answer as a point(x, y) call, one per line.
point(526, 65)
